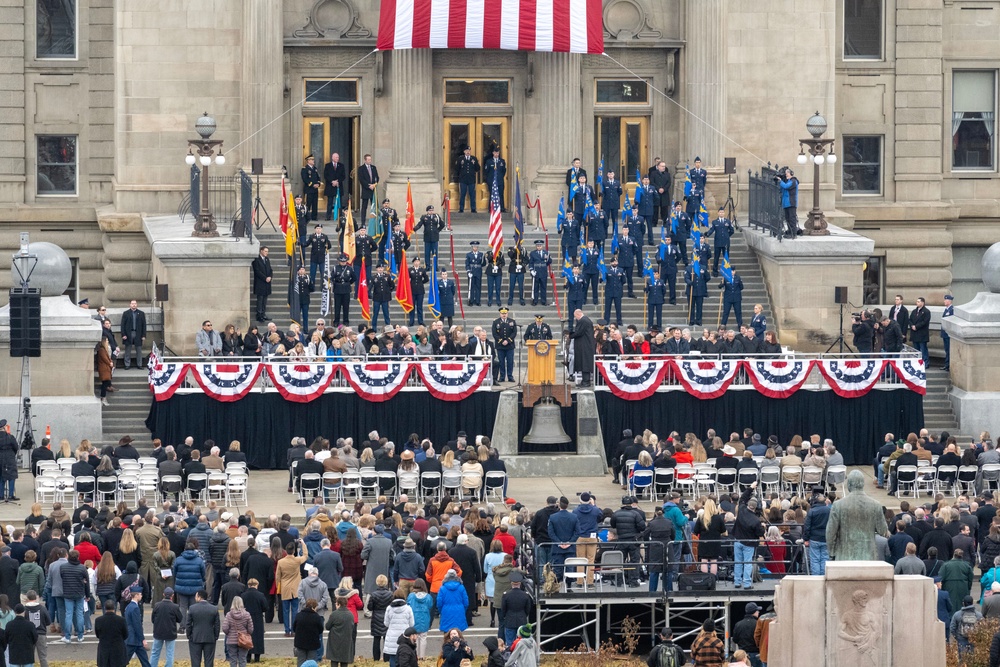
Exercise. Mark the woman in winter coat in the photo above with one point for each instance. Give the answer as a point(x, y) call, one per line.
point(454, 648)
point(452, 601)
point(342, 626)
point(422, 605)
point(125, 582)
point(163, 560)
point(350, 593)
point(493, 559)
point(398, 617)
point(377, 555)
point(308, 627)
point(350, 555)
point(128, 552)
point(189, 574)
point(501, 584)
point(237, 620)
point(30, 576)
point(378, 601)
point(256, 604)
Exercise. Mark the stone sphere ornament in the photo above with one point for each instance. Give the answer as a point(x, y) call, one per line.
point(991, 268)
point(52, 273)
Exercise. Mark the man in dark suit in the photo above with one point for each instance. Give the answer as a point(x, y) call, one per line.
point(262, 274)
point(192, 467)
point(900, 315)
point(468, 172)
point(308, 465)
point(111, 631)
point(920, 329)
point(584, 347)
point(676, 344)
point(661, 181)
point(133, 333)
point(170, 467)
point(334, 183)
point(863, 332)
point(310, 187)
point(368, 180)
point(202, 630)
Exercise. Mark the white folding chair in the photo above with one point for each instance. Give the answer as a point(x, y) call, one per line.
point(333, 486)
point(236, 489)
point(495, 481)
point(310, 484)
point(130, 465)
point(148, 462)
point(45, 489)
point(196, 490)
point(770, 479)
point(408, 482)
point(725, 479)
point(430, 486)
point(350, 481)
point(171, 485)
point(791, 479)
point(44, 466)
point(748, 476)
point(946, 480)
point(642, 483)
point(704, 481)
point(663, 482)
point(452, 480)
point(107, 489)
point(387, 483)
point(216, 487)
point(65, 463)
point(128, 483)
point(967, 479)
point(684, 479)
point(369, 482)
point(990, 476)
point(472, 483)
point(82, 486)
point(906, 476)
point(581, 563)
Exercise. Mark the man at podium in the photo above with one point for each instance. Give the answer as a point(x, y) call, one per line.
point(538, 330)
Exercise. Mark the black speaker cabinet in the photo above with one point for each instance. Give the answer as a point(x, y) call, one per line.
point(840, 294)
point(257, 166)
point(25, 322)
point(730, 165)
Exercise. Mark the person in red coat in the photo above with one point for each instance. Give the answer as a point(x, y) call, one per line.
point(507, 541)
point(87, 549)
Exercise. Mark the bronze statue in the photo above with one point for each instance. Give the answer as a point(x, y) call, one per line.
point(855, 519)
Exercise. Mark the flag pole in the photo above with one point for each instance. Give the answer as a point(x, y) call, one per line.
point(454, 271)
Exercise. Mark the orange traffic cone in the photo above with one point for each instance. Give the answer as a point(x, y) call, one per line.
point(48, 431)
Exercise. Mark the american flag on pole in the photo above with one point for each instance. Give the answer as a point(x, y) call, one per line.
point(566, 26)
point(496, 224)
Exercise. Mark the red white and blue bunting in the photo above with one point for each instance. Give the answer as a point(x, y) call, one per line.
point(452, 380)
point(778, 378)
point(706, 379)
point(851, 378)
point(164, 377)
point(301, 382)
point(227, 382)
point(912, 373)
point(633, 380)
point(377, 381)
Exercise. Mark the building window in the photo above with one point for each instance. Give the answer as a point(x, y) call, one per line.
point(631, 91)
point(973, 119)
point(57, 165)
point(482, 91)
point(55, 29)
point(331, 91)
point(872, 281)
point(862, 165)
point(73, 289)
point(862, 29)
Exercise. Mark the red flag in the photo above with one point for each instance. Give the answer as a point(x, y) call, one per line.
point(283, 211)
point(366, 306)
point(410, 221)
point(404, 292)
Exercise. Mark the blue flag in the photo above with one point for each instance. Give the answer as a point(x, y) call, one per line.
point(696, 266)
point(600, 173)
point(589, 208)
point(602, 267)
point(647, 267)
point(687, 181)
point(574, 184)
point(674, 222)
point(434, 296)
point(638, 176)
point(567, 267)
point(727, 269)
point(561, 217)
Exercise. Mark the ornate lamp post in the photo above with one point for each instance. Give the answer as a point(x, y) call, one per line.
point(816, 147)
point(203, 151)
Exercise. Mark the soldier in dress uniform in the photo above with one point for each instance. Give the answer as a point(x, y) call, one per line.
point(504, 336)
point(496, 167)
point(613, 289)
point(538, 330)
point(646, 210)
point(474, 263)
point(697, 290)
point(343, 277)
point(468, 172)
point(732, 298)
point(948, 311)
point(611, 199)
point(310, 186)
point(576, 291)
point(302, 216)
point(515, 271)
point(598, 229)
point(418, 278)
point(305, 287)
point(432, 225)
point(319, 243)
point(571, 235)
point(364, 246)
point(572, 177)
point(698, 178)
point(681, 224)
point(446, 296)
point(628, 257)
point(722, 230)
point(590, 261)
point(389, 219)
point(400, 242)
point(494, 277)
point(583, 190)
point(539, 261)
point(382, 288)
point(668, 257)
point(656, 293)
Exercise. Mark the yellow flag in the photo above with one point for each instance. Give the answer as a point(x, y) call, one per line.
point(292, 235)
point(348, 244)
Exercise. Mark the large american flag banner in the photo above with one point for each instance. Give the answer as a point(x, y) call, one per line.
point(496, 224)
point(568, 26)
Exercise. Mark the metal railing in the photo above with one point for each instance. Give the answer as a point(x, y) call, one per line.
point(230, 199)
point(742, 382)
point(764, 201)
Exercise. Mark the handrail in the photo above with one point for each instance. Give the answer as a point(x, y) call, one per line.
point(371, 358)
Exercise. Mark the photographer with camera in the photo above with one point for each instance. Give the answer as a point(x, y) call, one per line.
point(789, 200)
point(864, 332)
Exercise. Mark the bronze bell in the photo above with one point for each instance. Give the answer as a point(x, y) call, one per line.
point(546, 424)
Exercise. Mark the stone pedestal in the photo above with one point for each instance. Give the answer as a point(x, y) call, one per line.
point(413, 152)
point(558, 80)
point(62, 379)
point(801, 274)
point(859, 614)
point(975, 334)
point(208, 279)
point(589, 459)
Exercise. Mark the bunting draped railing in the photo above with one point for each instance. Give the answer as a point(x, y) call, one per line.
point(637, 377)
point(304, 380)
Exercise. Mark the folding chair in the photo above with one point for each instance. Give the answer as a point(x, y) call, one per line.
point(369, 482)
point(663, 482)
point(642, 483)
point(350, 481)
point(966, 482)
point(613, 564)
point(171, 485)
point(333, 485)
point(725, 479)
point(906, 476)
point(946, 480)
point(310, 483)
point(107, 489)
point(236, 489)
point(45, 487)
point(770, 479)
point(387, 483)
point(747, 477)
point(581, 563)
point(197, 489)
point(408, 483)
point(791, 479)
point(990, 476)
point(495, 481)
point(216, 487)
point(148, 462)
point(430, 486)
point(452, 480)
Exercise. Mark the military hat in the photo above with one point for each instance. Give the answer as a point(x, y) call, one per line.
point(949, 297)
point(343, 257)
point(504, 309)
point(381, 265)
point(430, 207)
point(539, 316)
point(473, 242)
point(467, 148)
point(86, 302)
point(385, 201)
point(539, 242)
point(310, 157)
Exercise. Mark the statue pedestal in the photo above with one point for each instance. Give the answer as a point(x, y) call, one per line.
point(975, 333)
point(857, 615)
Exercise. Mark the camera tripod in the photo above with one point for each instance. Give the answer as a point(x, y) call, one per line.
point(840, 339)
point(258, 206)
point(730, 206)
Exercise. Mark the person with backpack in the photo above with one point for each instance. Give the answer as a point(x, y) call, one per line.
point(963, 623)
point(666, 653)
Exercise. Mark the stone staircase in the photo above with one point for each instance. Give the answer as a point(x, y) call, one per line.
point(128, 409)
point(938, 414)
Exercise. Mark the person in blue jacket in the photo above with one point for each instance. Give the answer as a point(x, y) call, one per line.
point(452, 601)
point(564, 528)
point(136, 642)
point(789, 201)
point(588, 516)
point(672, 511)
point(189, 576)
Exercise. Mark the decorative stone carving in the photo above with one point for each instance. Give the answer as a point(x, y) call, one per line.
point(493, 59)
point(338, 19)
point(325, 59)
point(625, 20)
point(859, 626)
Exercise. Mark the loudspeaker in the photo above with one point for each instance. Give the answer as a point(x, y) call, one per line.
point(730, 166)
point(257, 166)
point(25, 322)
point(162, 291)
point(840, 294)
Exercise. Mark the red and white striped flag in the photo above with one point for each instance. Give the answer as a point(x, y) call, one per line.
point(496, 224)
point(567, 26)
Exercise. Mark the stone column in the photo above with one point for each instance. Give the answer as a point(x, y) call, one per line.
point(412, 98)
point(705, 85)
point(557, 92)
point(262, 85)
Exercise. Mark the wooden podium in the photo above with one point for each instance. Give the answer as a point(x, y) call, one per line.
point(542, 374)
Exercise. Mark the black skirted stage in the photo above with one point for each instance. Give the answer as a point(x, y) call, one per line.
point(265, 422)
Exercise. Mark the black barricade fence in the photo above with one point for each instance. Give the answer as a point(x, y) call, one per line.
point(764, 201)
